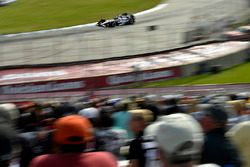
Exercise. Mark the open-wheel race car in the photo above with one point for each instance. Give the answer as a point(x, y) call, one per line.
point(121, 20)
point(6, 2)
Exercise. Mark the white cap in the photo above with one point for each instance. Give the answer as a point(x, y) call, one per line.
point(240, 136)
point(90, 112)
point(179, 136)
point(9, 111)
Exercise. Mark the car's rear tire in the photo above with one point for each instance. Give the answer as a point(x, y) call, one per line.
point(132, 19)
point(101, 21)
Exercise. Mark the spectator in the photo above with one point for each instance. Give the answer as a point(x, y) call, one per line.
point(147, 114)
point(238, 105)
point(72, 134)
point(122, 117)
point(179, 138)
point(64, 109)
point(90, 112)
point(217, 148)
point(8, 117)
point(240, 135)
point(37, 143)
point(107, 138)
point(174, 106)
point(149, 105)
point(34, 144)
point(12, 112)
point(136, 151)
point(28, 121)
point(171, 106)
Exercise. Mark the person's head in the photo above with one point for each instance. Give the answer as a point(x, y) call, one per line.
point(72, 133)
point(140, 102)
point(172, 101)
point(213, 117)
point(64, 109)
point(145, 113)
point(179, 138)
point(122, 106)
point(92, 114)
point(137, 123)
point(10, 113)
point(28, 120)
point(105, 119)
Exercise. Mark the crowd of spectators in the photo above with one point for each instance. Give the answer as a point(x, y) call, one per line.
point(143, 131)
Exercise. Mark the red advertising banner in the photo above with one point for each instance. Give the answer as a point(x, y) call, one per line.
point(83, 84)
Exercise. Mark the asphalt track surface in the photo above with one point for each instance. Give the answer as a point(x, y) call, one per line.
point(93, 42)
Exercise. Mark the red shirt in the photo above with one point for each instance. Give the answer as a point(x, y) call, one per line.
point(96, 159)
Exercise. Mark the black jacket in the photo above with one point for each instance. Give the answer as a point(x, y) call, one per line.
point(5, 150)
point(136, 151)
point(219, 150)
point(32, 146)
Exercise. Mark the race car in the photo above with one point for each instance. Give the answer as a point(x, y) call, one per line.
point(121, 20)
point(6, 2)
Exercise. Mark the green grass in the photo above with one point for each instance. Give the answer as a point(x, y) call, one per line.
point(31, 15)
point(238, 74)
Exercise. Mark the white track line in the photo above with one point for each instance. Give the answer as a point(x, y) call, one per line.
point(158, 7)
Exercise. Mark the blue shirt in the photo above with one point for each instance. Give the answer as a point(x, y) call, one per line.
point(121, 121)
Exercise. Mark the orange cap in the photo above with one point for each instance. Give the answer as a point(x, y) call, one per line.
point(73, 129)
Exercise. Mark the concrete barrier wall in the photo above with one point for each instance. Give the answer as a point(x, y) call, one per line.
point(231, 55)
point(223, 62)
